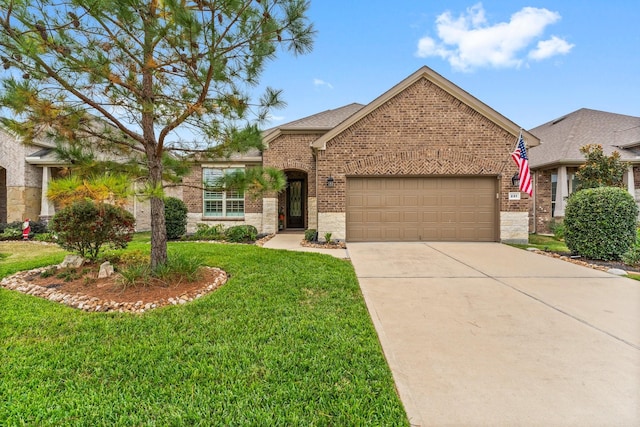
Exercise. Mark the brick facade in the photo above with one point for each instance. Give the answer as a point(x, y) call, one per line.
point(421, 131)
point(422, 127)
point(292, 152)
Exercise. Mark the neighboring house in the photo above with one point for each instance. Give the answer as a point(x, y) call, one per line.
point(556, 160)
point(20, 181)
point(425, 161)
point(25, 173)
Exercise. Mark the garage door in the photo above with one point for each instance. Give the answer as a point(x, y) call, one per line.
point(421, 209)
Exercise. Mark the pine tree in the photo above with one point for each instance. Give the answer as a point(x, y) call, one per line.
point(128, 76)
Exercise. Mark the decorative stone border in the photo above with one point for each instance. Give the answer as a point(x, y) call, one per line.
point(333, 245)
point(82, 302)
point(615, 271)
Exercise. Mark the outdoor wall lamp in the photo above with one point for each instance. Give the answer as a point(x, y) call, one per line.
point(515, 180)
point(330, 181)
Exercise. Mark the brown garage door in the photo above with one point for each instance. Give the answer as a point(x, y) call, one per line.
point(421, 209)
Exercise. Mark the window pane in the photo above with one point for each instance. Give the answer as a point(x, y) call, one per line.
point(210, 176)
point(212, 208)
point(221, 203)
point(235, 208)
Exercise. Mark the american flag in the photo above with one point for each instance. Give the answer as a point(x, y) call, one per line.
point(520, 157)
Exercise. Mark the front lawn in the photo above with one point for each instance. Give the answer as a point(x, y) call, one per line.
point(545, 243)
point(287, 341)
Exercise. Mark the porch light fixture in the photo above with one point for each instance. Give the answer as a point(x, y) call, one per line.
point(330, 181)
point(515, 180)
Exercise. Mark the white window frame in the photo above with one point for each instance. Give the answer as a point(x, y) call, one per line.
point(227, 200)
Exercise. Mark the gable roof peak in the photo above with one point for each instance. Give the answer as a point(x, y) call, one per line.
point(444, 84)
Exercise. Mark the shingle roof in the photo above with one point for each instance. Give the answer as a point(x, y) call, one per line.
point(323, 121)
point(562, 138)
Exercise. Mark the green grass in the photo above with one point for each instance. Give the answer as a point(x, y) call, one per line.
point(286, 342)
point(27, 255)
point(544, 243)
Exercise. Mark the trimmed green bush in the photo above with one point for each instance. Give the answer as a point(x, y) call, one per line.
point(310, 235)
point(205, 232)
point(175, 217)
point(84, 227)
point(241, 233)
point(600, 223)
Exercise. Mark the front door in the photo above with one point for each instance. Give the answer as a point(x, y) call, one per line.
point(295, 203)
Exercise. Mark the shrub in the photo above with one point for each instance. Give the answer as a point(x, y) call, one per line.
point(45, 237)
point(11, 233)
point(84, 227)
point(558, 229)
point(175, 217)
point(632, 256)
point(177, 268)
point(205, 232)
point(37, 227)
point(241, 233)
point(310, 235)
point(327, 237)
point(600, 223)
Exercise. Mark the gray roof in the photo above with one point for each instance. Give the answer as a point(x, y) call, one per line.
point(325, 120)
point(562, 138)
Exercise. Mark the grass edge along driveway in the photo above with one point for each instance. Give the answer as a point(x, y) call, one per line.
point(287, 341)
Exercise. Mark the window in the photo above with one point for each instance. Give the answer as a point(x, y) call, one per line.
point(221, 204)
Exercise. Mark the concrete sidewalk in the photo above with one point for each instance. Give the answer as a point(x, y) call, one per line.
point(291, 242)
point(489, 335)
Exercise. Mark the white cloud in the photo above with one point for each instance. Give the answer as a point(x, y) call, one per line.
point(548, 48)
point(273, 118)
point(470, 42)
point(319, 82)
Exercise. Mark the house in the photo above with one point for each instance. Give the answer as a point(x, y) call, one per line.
point(25, 173)
point(425, 161)
point(556, 160)
point(20, 181)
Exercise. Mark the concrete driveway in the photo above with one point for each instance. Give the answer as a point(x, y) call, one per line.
point(482, 334)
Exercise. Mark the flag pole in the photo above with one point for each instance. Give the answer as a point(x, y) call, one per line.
point(517, 141)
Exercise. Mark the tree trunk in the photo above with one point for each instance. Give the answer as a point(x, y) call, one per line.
point(153, 147)
point(158, 227)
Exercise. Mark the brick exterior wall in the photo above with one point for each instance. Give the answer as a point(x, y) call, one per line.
point(421, 131)
point(192, 194)
point(291, 152)
point(542, 194)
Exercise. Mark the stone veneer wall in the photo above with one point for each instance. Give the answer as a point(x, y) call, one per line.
point(514, 227)
point(23, 182)
point(334, 223)
point(423, 131)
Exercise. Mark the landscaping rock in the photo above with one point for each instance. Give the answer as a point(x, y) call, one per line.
point(106, 270)
point(73, 261)
point(617, 271)
point(18, 282)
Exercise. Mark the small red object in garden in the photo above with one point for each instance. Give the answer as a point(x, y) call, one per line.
point(26, 229)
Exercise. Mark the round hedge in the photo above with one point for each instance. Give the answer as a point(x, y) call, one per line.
point(175, 217)
point(600, 223)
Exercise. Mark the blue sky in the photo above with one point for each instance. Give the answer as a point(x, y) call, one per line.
point(530, 61)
